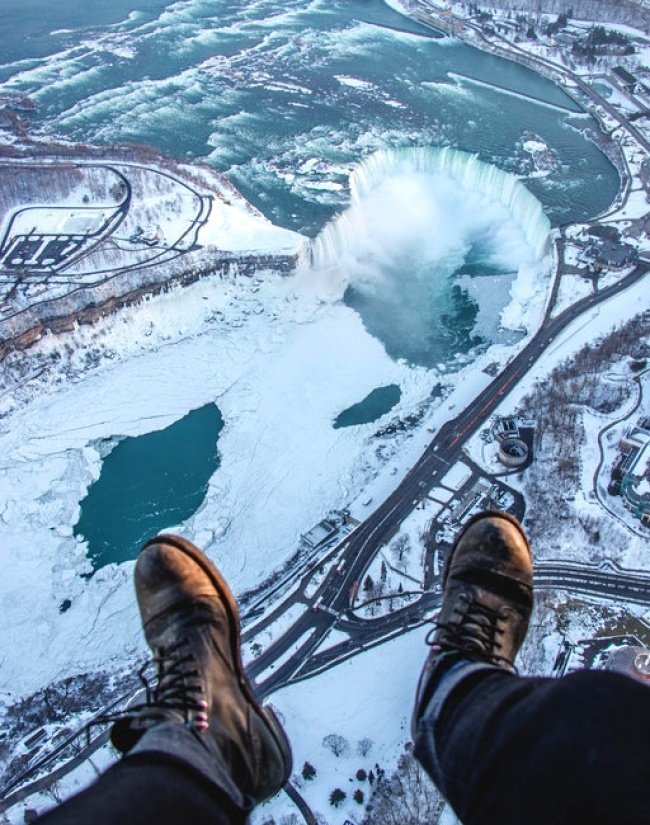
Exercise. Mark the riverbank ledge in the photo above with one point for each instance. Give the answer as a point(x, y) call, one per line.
point(81, 238)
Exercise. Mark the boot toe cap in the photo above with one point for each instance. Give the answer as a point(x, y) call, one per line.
point(494, 542)
point(165, 575)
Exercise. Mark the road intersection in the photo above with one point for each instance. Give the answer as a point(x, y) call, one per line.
point(447, 447)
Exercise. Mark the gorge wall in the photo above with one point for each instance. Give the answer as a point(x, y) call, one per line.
point(89, 304)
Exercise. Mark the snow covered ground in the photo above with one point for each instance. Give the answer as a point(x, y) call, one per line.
point(174, 219)
point(256, 349)
point(624, 546)
point(344, 701)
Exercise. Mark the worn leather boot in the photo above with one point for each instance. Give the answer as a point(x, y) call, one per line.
point(191, 623)
point(487, 600)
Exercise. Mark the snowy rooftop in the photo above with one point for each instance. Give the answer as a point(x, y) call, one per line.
point(458, 475)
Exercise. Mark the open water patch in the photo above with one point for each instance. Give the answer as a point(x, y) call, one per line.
point(377, 403)
point(149, 483)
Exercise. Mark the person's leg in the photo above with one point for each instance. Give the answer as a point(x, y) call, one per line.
point(139, 791)
point(508, 749)
point(201, 736)
point(511, 750)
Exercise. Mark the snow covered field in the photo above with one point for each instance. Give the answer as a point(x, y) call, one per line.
point(161, 222)
point(346, 702)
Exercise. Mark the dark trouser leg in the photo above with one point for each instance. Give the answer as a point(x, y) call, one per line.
point(147, 789)
point(170, 777)
point(511, 750)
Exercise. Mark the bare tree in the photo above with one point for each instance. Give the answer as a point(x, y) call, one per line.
point(364, 746)
point(408, 797)
point(400, 547)
point(336, 743)
point(54, 793)
point(558, 404)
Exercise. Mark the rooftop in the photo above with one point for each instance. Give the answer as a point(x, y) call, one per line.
point(632, 661)
point(626, 77)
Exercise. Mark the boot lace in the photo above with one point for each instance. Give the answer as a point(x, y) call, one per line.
point(475, 630)
point(178, 684)
point(177, 688)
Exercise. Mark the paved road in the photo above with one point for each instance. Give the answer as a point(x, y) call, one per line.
point(166, 254)
point(615, 586)
point(618, 587)
point(512, 51)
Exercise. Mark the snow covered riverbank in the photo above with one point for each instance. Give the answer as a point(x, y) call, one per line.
point(280, 367)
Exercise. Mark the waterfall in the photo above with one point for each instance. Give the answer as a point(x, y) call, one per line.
point(464, 168)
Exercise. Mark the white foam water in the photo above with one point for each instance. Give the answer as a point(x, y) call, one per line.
point(418, 218)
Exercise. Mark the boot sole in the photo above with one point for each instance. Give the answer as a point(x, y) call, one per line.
point(473, 520)
point(267, 714)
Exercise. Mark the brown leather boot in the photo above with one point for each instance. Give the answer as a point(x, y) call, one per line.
point(487, 600)
point(191, 623)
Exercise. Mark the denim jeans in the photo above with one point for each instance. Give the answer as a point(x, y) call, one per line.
point(167, 779)
point(503, 749)
point(509, 750)
point(146, 791)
